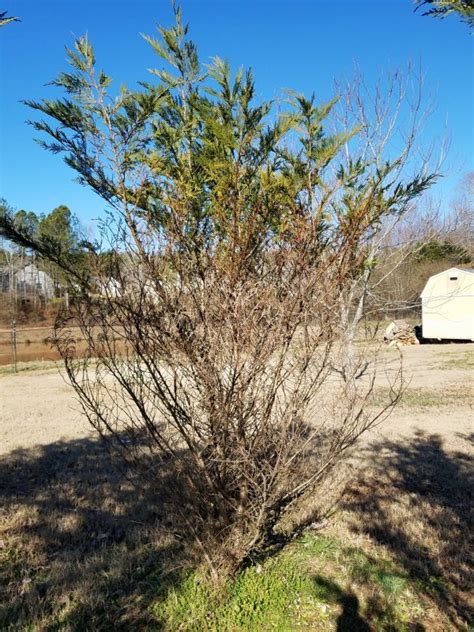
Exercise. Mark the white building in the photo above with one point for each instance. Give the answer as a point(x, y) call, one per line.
point(448, 305)
point(26, 280)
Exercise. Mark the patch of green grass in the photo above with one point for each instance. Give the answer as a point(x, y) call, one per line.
point(424, 398)
point(365, 569)
point(317, 583)
point(29, 367)
point(314, 584)
point(463, 361)
point(272, 596)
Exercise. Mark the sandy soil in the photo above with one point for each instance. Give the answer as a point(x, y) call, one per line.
point(38, 408)
point(445, 373)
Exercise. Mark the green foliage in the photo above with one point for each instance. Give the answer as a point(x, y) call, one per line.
point(60, 226)
point(198, 136)
point(442, 8)
point(437, 250)
point(4, 19)
point(26, 221)
point(55, 238)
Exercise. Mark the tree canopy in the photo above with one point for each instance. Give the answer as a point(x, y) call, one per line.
point(54, 237)
point(443, 250)
point(247, 176)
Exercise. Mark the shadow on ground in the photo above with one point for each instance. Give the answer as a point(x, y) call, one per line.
point(417, 502)
point(81, 547)
point(350, 618)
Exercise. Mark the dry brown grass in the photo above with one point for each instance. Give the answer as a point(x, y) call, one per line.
point(416, 503)
point(78, 541)
point(82, 548)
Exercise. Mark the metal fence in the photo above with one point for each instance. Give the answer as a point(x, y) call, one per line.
point(16, 345)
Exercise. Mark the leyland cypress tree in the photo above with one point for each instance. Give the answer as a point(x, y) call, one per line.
point(221, 361)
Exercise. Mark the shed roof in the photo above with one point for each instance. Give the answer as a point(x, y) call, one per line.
point(464, 271)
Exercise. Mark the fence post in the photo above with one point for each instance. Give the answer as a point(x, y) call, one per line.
point(14, 346)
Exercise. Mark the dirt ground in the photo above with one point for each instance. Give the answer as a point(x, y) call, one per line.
point(38, 407)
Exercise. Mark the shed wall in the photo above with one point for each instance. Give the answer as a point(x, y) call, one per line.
point(448, 306)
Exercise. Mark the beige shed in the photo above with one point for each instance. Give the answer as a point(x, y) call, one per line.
point(447, 304)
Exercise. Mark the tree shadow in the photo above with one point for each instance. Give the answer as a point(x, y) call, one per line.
point(81, 545)
point(417, 502)
point(468, 437)
point(85, 545)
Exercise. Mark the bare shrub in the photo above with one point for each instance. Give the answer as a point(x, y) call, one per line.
point(223, 299)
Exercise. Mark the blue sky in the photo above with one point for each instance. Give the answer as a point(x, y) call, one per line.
point(302, 44)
